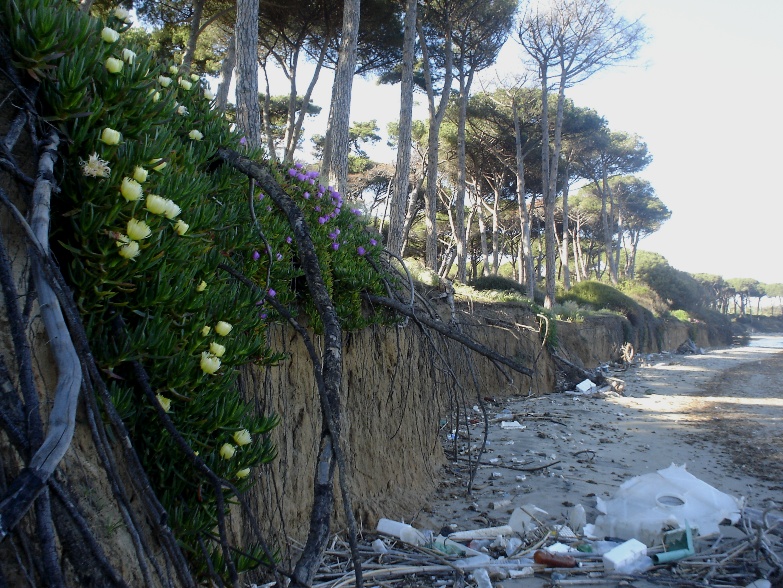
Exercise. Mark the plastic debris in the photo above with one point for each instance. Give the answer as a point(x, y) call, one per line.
point(646, 506)
point(485, 533)
point(621, 557)
point(586, 386)
point(512, 425)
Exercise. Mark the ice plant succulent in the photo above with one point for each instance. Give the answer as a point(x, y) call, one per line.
point(140, 174)
point(227, 451)
point(217, 349)
point(196, 135)
point(129, 250)
point(181, 227)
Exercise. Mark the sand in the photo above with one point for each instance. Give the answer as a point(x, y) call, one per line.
point(719, 413)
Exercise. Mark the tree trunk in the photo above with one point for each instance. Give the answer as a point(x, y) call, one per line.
point(195, 26)
point(226, 71)
point(436, 118)
point(336, 146)
point(525, 249)
point(461, 237)
point(248, 109)
point(564, 241)
point(293, 137)
point(605, 192)
point(397, 218)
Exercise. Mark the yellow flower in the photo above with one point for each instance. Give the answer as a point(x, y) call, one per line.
point(129, 56)
point(205, 331)
point(130, 250)
point(227, 451)
point(242, 437)
point(200, 288)
point(164, 402)
point(172, 210)
point(158, 164)
point(194, 77)
point(209, 94)
point(110, 136)
point(209, 363)
point(95, 167)
point(196, 135)
point(185, 84)
point(244, 473)
point(114, 65)
point(156, 96)
point(181, 227)
point(109, 35)
point(156, 204)
point(218, 350)
point(223, 328)
point(139, 174)
point(164, 81)
point(130, 189)
point(182, 110)
point(138, 230)
point(173, 69)
point(121, 13)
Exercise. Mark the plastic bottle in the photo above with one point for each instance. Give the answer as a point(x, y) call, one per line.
point(554, 560)
point(481, 576)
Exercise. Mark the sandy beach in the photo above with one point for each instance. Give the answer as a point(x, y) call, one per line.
point(719, 413)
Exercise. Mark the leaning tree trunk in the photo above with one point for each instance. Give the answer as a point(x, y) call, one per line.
point(226, 71)
point(195, 26)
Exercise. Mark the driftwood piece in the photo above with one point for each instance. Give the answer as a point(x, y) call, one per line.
point(62, 418)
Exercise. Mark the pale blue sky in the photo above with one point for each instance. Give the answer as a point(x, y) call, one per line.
point(705, 96)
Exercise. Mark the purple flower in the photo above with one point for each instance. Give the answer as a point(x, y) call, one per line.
point(360, 250)
point(312, 181)
point(322, 219)
point(260, 303)
point(243, 141)
point(300, 177)
point(356, 211)
point(256, 255)
point(317, 208)
point(306, 195)
point(288, 239)
point(260, 195)
point(272, 293)
point(373, 242)
point(279, 257)
point(298, 165)
point(337, 211)
point(335, 245)
point(262, 316)
point(292, 172)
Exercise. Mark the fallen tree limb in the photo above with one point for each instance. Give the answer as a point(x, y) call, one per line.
point(450, 333)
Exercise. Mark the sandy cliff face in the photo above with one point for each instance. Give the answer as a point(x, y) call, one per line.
point(399, 393)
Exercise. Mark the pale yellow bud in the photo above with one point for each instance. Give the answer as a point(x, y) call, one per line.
point(130, 189)
point(172, 210)
point(181, 227)
point(223, 328)
point(243, 473)
point(217, 350)
point(140, 174)
point(209, 363)
point(196, 135)
point(164, 81)
point(138, 229)
point(110, 136)
point(242, 437)
point(156, 204)
point(130, 250)
point(164, 402)
point(109, 35)
point(185, 84)
point(114, 65)
point(206, 330)
point(227, 451)
point(129, 56)
point(200, 288)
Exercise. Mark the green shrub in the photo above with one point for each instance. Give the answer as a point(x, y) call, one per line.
point(602, 296)
point(498, 283)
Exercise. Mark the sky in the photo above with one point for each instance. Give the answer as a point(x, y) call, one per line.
point(705, 97)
